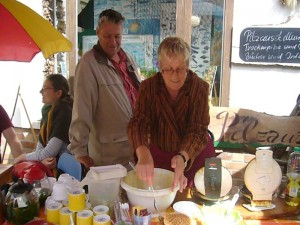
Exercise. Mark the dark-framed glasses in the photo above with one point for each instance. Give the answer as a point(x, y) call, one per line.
point(172, 71)
point(45, 89)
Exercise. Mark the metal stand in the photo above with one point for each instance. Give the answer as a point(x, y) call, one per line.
point(13, 113)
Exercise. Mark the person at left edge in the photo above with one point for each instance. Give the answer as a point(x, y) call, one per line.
point(8, 131)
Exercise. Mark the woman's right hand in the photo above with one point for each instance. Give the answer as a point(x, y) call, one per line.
point(178, 165)
point(50, 162)
point(145, 166)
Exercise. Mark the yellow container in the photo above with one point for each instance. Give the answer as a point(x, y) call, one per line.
point(101, 209)
point(84, 217)
point(52, 212)
point(77, 199)
point(102, 219)
point(65, 216)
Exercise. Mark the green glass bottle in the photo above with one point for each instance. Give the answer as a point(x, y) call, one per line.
point(292, 190)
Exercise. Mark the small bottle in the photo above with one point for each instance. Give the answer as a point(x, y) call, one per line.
point(292, 190)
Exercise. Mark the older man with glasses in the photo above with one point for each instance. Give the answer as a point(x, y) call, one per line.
point(105, 89)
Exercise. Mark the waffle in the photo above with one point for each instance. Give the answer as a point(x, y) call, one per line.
point(178, 219)
point(261, 203)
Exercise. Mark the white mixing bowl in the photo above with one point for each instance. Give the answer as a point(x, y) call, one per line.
point(139, 194)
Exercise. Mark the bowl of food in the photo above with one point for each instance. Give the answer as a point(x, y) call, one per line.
point(219, 214)
point(139, 194)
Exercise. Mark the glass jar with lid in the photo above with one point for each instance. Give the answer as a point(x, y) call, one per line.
point(21, 203)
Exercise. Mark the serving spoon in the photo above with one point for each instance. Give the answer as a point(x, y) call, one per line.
point(153, 192)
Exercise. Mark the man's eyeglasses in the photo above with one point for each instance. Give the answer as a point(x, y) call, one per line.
point(44, 89)
point(172, 71)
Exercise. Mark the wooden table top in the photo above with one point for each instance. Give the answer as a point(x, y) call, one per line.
point(277, 216)
point(4, 167)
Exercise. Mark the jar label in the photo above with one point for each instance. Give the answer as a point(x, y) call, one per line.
point(293, 186)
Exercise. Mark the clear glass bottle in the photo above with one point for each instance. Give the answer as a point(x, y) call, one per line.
point(292, 190)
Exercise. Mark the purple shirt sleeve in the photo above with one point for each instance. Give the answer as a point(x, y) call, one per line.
point(5, 121)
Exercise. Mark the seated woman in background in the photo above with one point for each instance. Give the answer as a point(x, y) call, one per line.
point(7, 129)
point(56, 119)
point(169, 127)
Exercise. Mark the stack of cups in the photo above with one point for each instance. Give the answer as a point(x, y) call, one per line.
point(59, 192)
point(84, 217)
point(87, 217)
point(52, 212)
point(100, 209)
point(77, 204)
point(102, 219)
point(66, 216)
point(77, 199)
point(73, 210)
point(101, 216)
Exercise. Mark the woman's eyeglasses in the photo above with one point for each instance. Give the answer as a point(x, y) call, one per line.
point(44, 89)
point(172, 71)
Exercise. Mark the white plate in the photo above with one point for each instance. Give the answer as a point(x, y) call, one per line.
point(188, 208)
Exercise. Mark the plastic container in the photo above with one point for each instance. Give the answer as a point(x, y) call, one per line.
point(104, 184)
point(292, 190)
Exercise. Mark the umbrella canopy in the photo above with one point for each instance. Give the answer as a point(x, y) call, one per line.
point(24, 33)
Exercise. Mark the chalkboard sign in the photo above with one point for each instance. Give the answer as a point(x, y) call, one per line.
point(271, 45)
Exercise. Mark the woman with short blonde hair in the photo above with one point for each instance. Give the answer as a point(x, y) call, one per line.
point(169, 127)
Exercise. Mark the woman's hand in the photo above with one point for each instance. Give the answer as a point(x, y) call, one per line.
point(145, 166)
point(20, 158)
point(49, 162)
point(178, 165)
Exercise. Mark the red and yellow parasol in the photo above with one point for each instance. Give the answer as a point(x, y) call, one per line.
point(24, 33)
